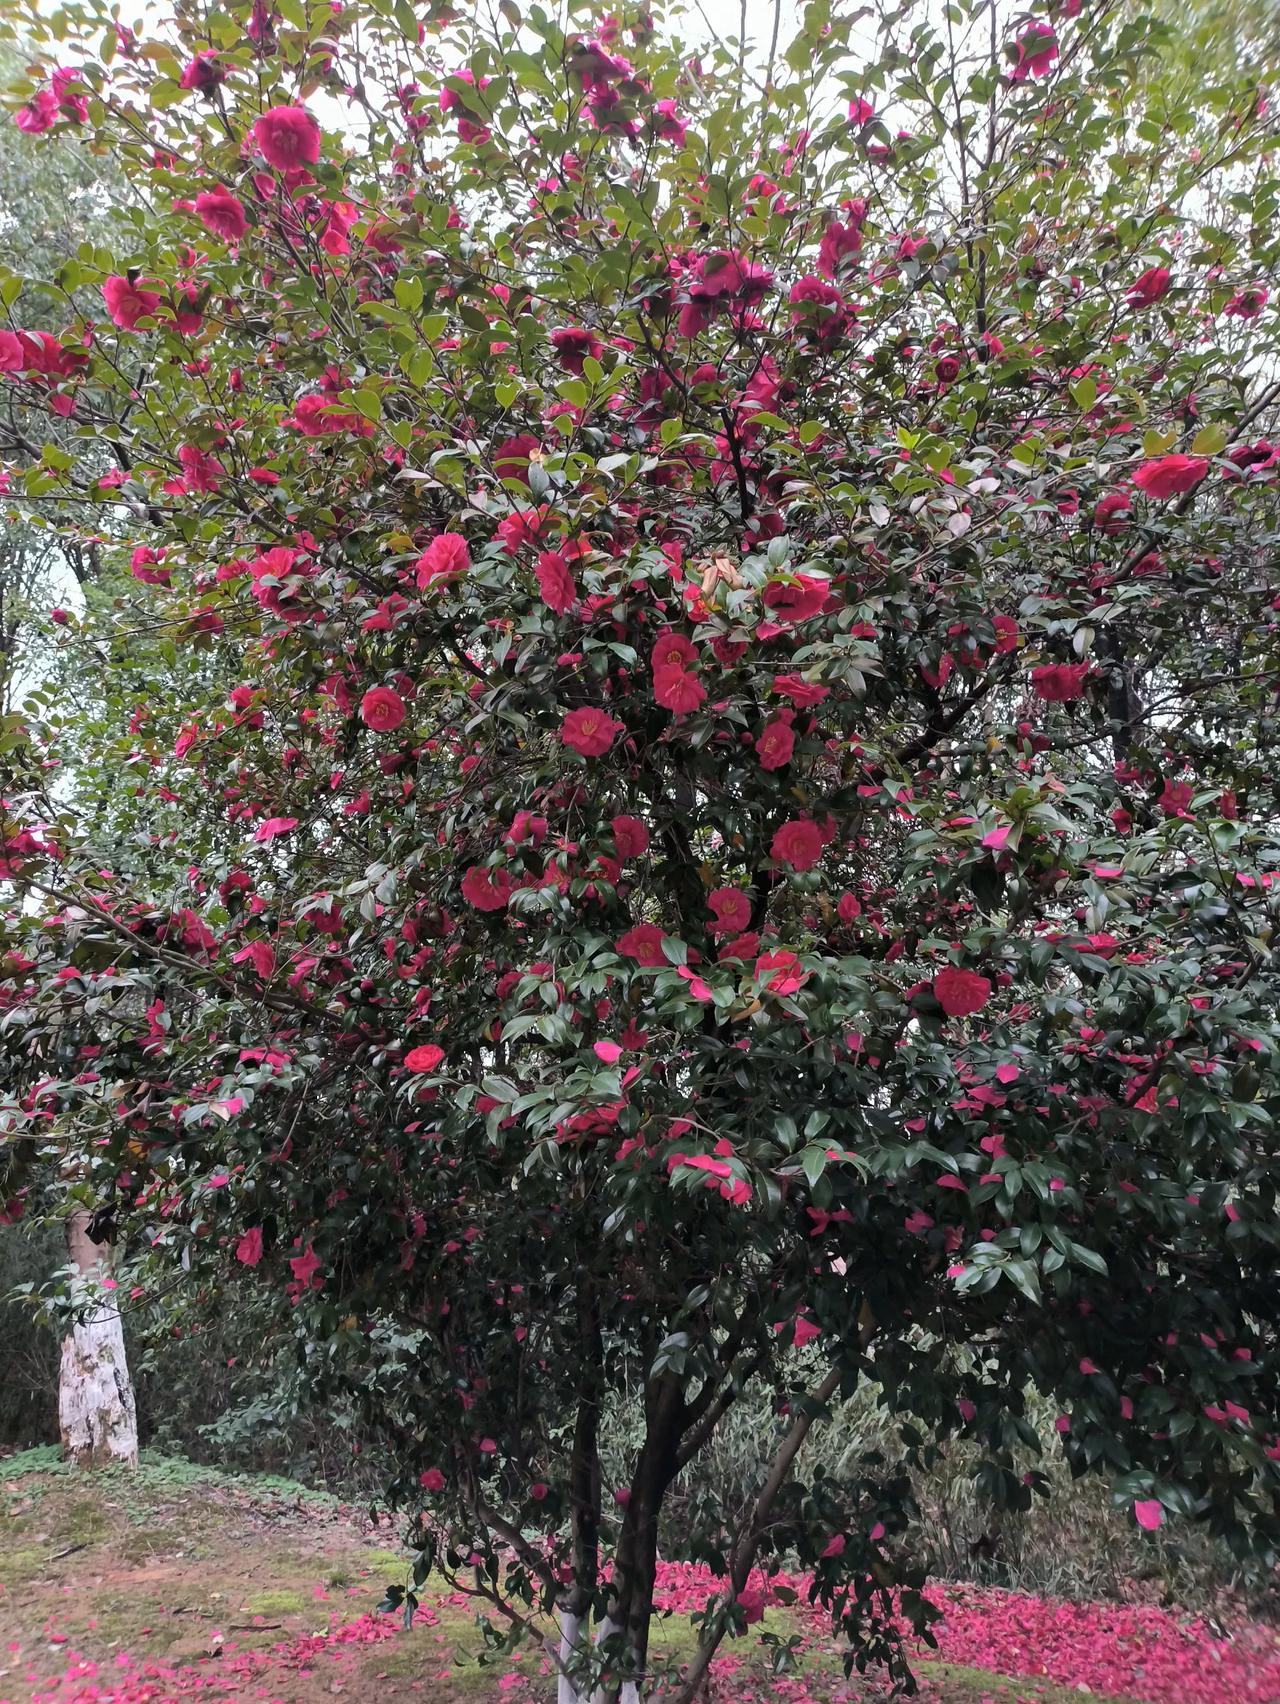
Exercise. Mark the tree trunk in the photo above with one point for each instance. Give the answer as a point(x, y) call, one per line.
point(96, 1412)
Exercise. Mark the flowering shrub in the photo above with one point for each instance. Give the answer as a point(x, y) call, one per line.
point(687, 794)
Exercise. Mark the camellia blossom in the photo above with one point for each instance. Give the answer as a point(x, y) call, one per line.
point(1037, 52)
point(487, 889)
point(775, 743)
point(732, 908)
point(643, 943)
point(382, 709)
point(590, 731)
point(1056, 683)
point(678, 689)
point(425, 1059)
point(222, 213)
point(630, 837)
point(961, 992)
point(288, 138)
point(555, 582)
point(798, 843)
point(127, 303)
point(1148, 287)
point(249, 1247)
point(1148, 1513)
point(1169, 476)
point(445, 558)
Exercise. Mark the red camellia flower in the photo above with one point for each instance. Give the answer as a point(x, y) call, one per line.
point(221, 212)
point(249, 1248)
point(630, 836)
point(798, 843)
point(677, 689)
point(775, 744)
point(572, 344)
point(1148, 287)
point(1168, 476)
point(382, 709)
point(424, 1059)
point(960, 992)
point(732, 908)
point(555, 582)
point(797, 599)
point(431, 1479)
point(128, 303)
point(672, 650)
point(590, 731)
point(445, 558)
point(1111, 513)
point(1058, 682)
point(643, 943)
point(782, 970)
point(288, 138)
point(487, 889)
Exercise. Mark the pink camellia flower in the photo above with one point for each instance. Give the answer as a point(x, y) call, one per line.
point(288, 138)
point(607, 1052)
point(425, 1059)
point(306, 1267)
point(798, 843)
point(835, 1546)
point(1169, 476)
point(39, 114)
point(205, 72)
point(1248, 304)
point(249, 1248)
point(1148, 1514)
point(590, 730)
point(1148, 287)
point(432, 1479)
point(1056, 683)
point(555, 582)
point(128, 303)
point(444, 559)
point(272, 827)
point(382, 709)
point(861, 111)
point(961, 992)
point(1037, 52)
point(775, 744)
point(222, 213)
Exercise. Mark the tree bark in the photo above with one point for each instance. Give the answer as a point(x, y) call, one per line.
point(96, 1412)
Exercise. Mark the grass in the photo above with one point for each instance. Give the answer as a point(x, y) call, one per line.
point(182, 1563)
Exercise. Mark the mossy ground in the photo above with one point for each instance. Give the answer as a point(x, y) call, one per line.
point(243, 1583)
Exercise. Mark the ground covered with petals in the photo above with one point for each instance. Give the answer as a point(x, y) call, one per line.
point(182, 1583)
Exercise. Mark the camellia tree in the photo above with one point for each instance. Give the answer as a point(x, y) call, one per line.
point(685, 804)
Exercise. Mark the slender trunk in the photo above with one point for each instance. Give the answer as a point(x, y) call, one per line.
point(584, 1492)
point(96, 1412)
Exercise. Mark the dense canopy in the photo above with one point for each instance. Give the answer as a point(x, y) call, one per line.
point(668, 782)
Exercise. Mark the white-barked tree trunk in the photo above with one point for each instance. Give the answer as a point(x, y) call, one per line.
point(96, 1413)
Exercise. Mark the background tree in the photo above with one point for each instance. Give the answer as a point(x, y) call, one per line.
point(741, 852)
